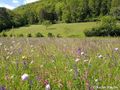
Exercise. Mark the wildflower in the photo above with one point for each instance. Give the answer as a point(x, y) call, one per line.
point(12, 77)
point(86, 60)
point(31, 62)
point(116, 49)
point(77, 59)
point(100, 56)
point(24, 77)
point(78, 51)
point(23, 57)
point(7, 57)
point(96, 80)
point(2, 88)
point(71, 70)
point(47, 85)
point(82, 53)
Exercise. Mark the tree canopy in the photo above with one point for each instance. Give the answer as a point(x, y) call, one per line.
point(56, 11)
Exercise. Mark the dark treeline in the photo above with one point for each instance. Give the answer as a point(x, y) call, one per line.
point(68, 11)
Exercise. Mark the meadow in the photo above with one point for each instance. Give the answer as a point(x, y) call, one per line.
point(59, 64)
point(63, 29)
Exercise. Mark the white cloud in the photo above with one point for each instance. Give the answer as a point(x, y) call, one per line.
point(15, 1)
point(6, 6)
point(29, 1)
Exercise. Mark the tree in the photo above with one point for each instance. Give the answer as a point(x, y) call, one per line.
point(46, 24)
point(108, 22)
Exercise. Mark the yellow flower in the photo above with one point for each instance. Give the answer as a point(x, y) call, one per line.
point(24, 57)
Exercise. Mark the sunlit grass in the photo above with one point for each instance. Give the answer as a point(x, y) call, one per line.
point(65, 30)
point(64, 64)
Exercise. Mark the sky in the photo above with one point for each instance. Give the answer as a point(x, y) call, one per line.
point(11, 4)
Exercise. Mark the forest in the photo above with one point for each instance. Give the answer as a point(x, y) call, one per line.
point(58, 11)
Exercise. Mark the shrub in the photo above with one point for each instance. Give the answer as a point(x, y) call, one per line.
point(59, 36)
point(11, 35)
point(50, 35)
point(39, 35)
point(29, 35)
point(108, 27)
point(20, 35)
point(4, 34)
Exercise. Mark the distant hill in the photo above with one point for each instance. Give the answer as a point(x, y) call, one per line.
point(55, 11)
point(9, 19)
point(6, 17)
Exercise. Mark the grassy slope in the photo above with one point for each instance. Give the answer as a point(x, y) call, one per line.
point(65, 30)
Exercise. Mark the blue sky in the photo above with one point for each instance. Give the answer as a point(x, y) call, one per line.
point(11, 4)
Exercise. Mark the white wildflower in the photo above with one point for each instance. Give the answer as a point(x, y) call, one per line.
point(100, 56)
point(116, 49)
point(47, 87)
point(24, 77)
point(86, 60)
point(96, 80)
point(77, 59)
point(7, 57)
point(31, 62)
point(82, 53)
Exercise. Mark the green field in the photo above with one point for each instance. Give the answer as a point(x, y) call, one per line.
point(65, 30)
point(64, 64)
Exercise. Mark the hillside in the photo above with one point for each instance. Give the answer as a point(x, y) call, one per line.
point(64, 30)
point(57, 11)
point(9, 19)
point(5, 18)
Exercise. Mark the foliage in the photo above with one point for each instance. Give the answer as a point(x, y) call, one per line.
point(65, 30)
point(50, 35)
point(29, 35)
point(115, 12)
point(20, 35)
point(108, 22)
point(68, 11)
point(65, 64)
point(39, 34)
point(4, 34)
point(108, 27)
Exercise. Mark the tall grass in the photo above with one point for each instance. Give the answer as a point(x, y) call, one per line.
point(64, 64)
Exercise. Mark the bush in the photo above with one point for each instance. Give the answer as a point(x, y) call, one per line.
point(29, 35)
point(59, 36)
point(39, 35)
point(20, 35)
point(103, 32)
point(4, 35)
point(11, 35)
point(108, 27)
point(50, 35)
